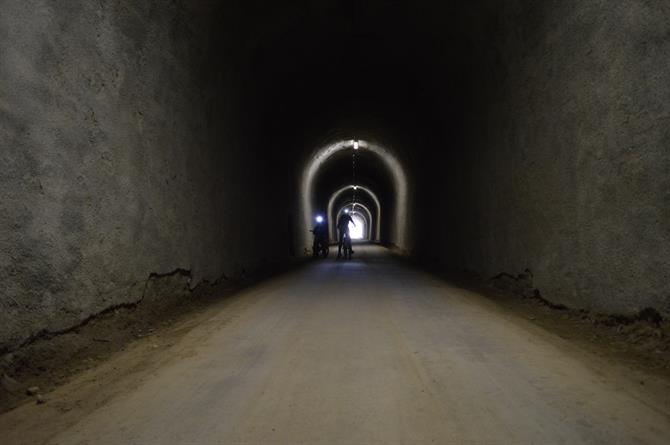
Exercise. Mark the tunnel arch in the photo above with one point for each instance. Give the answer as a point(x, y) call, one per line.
point(388, 159)
point(367, 216)
point(338, 193)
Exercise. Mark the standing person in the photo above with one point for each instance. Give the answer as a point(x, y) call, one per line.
point(343, 228)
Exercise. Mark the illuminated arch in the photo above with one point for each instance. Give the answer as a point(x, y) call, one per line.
point(368, 219)
point(331, 203)
point(389, 160)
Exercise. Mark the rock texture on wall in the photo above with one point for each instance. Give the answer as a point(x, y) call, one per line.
point(144, 139)
point(119, 159)
point(565, 169)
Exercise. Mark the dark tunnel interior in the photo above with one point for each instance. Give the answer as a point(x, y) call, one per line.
point(495, 137)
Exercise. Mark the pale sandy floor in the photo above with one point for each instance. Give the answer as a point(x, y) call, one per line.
point(361, 352)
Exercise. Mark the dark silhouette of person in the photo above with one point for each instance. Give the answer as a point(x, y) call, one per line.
point(343, 229)
point(320, 232)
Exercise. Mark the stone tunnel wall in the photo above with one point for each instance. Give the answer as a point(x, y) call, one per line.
point(120, 160)
point(130, 148)
point(566, 170)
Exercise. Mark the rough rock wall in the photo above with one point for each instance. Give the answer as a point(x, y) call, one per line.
point(566, 170)
point(117, 159)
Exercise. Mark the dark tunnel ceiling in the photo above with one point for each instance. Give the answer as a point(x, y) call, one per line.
point(376, 69)
point(308, 73)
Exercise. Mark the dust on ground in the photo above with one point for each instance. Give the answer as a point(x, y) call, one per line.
point(169, 310)
point(640, 341)
point(142, 331)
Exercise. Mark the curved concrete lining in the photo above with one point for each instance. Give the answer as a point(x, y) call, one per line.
point(389, 160)
point(338, 193)
point(367, 215)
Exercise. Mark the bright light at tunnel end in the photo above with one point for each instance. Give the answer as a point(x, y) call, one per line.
point(319, 219)
point(357, 232)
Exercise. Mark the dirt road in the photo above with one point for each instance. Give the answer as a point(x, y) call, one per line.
point(362, 352)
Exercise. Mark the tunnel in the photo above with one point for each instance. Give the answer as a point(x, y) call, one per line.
point(351, 198)
point(188, 143)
